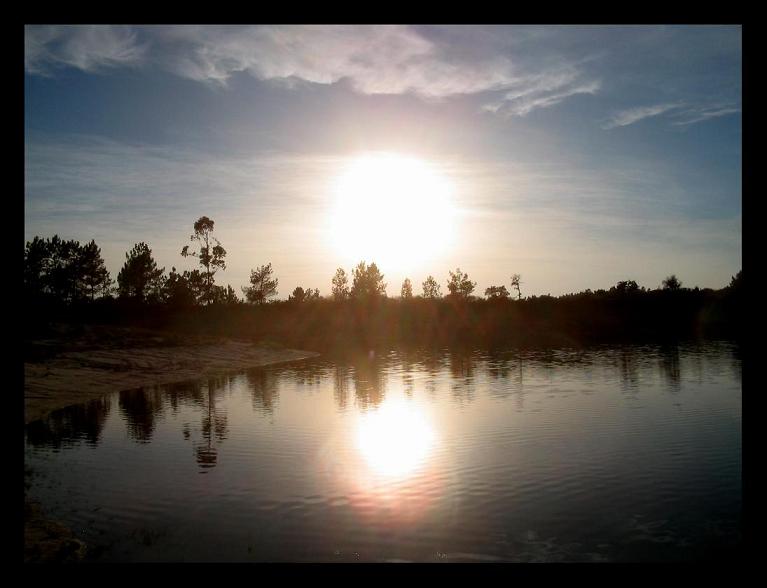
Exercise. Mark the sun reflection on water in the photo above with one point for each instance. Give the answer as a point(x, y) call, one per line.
point(395, 440)
point(393, 476)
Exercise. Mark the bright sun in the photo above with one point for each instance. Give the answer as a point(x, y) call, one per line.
point(393, 210)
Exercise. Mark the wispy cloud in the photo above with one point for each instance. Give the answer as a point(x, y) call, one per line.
point(374, 59)
point(685, 113)
point(632, 115)
point(389, 59)
point(695, 115)
point(89, 48)
point(541, 91)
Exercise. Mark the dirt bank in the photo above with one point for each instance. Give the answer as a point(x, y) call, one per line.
point(69, 365)
point(47, 541)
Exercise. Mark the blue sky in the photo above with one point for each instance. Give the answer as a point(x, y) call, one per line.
point(578, 156)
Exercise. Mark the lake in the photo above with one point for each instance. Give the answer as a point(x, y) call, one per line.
point(611, 453)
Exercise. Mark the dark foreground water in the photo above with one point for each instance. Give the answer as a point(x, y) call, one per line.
point(605, 454)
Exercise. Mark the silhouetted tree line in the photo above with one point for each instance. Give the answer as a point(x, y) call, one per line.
point(65, 271)
point(64, 280)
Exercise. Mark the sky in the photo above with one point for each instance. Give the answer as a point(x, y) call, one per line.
point(576, 156)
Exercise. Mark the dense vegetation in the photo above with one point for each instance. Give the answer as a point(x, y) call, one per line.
point(65, 281)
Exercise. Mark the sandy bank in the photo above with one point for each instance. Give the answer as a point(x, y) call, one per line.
point(69, 368)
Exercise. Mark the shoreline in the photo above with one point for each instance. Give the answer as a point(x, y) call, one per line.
point(72, 365)
point(93, 364)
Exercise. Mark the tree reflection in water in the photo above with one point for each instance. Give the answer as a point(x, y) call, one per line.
point(462, 372)
point(670, 368)
point(144, 407)
point(214, 424)
point(82, 422)
point(141, 408)
point(341, 377)
point(407, 359)
point(264, 392)
point(629, 370)
point(369, 381)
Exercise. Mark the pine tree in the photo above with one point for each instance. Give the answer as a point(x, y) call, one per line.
point(367, 281)
point(431, 288)
point(94, 274)
point(340, 283)
point(140, 278)
point(262, 285)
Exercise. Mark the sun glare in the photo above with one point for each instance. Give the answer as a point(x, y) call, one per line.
point(393, 210)
point(395, 440)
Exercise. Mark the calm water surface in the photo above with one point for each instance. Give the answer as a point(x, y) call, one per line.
point(604, 454)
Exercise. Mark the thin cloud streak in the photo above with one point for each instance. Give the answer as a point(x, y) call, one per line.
point(90, 48)
point(634, 115)
point(542, 90)
point(386, 59)
point(688, 114)
point(703, 114)
point(523, 106)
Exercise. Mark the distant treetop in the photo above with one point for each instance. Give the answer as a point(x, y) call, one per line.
point(431, 288)
point(671, 283)
point(460, 285)
point(367, 281)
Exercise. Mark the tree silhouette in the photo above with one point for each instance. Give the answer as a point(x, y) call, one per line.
point(95, 277)
point(302, 295)
point(221, 295)
point(367, 281)
point(139, 278)
point(497, 292)
point(671, 283)
point(262, 285)
point(340, 282)
point(516, 280)
point(37, 260)
point(407, 289)
point(736, 283)
point(65, 270)
point(625, 287)
point(459, 284)
point(182, 290)
point(431, 288)
point(228, 295)
point(211, 258)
